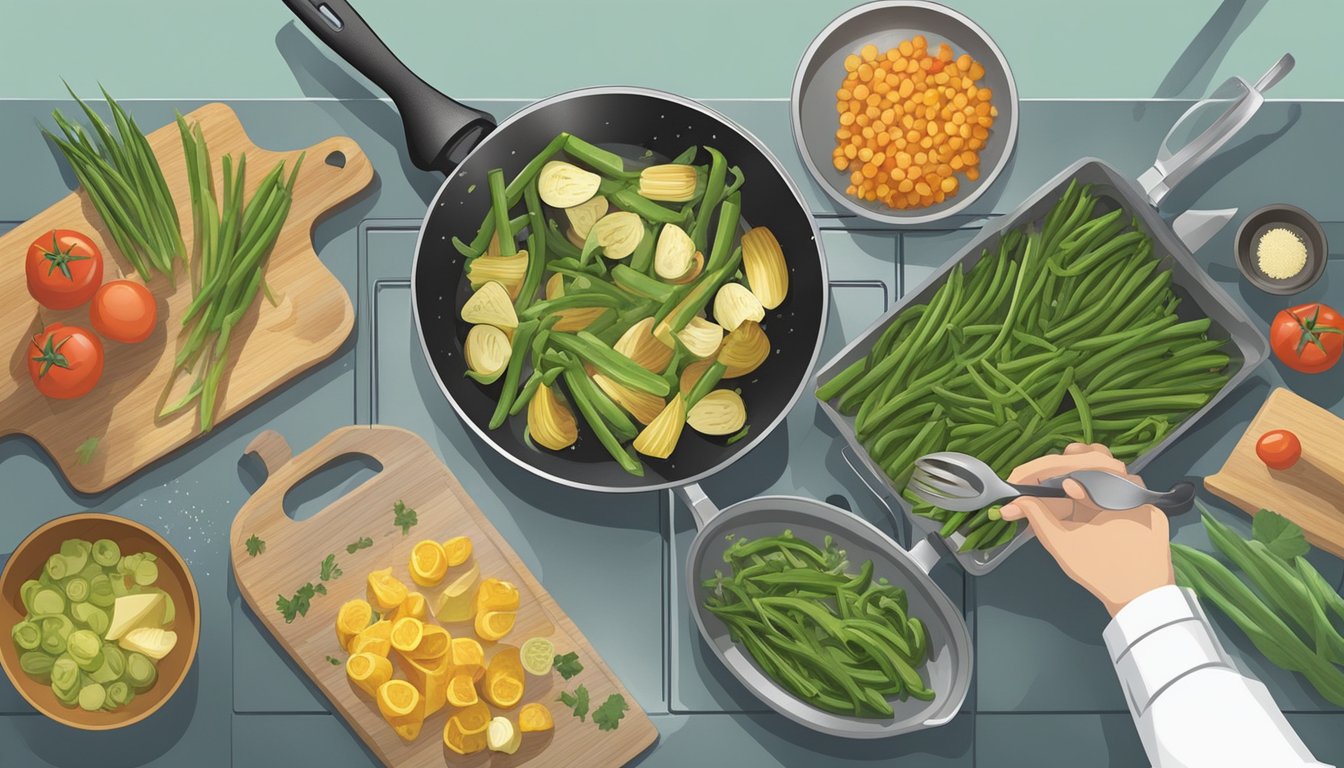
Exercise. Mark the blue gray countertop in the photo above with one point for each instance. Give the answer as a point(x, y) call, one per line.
point(1044, 693)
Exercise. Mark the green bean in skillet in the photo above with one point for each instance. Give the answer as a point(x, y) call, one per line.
point(840, 640)
point(589, 312)
point(1082, 293)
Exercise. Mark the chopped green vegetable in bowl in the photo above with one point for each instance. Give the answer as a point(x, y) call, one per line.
point(628, 279)
point(837, 639)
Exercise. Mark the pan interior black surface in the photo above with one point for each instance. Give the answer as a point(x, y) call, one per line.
point(632, 123)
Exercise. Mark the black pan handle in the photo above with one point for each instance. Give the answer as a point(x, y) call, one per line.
point(439, 131)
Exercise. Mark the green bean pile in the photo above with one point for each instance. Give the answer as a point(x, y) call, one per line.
point(232, 244)
point(124, 183)
point(1066, 333)
point(842, 642)
point(1287, 615)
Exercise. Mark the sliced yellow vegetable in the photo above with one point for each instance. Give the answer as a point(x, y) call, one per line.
point(549, 421)
point(428, 563)
point(583, 216)
point(721, 412)
point(434, 644)
point(151, 641)
point(577, 318)
point(375, 638)
point(670, 182)
point(368, 671)
point(534, 717)
point(385, 592)
point(402, 707)
point(564, 185)
point(555, 286)
point(487, 349)
point(763, 262)
point(474, 717)
point(351, 619)
point(498, 595)
point(504, 678)
point(467, 656)
point(619, 233)
point(502, 736)
point(660, 437)
point(644, 406)
point(674, 255)
point(508, 271)
point(494, 625)
point(431, 678)
point(537, 655)
point(735, 304)
point(697, 266)
point(491, 305)
point(132, 611)
point(406, 634)
point(744, 350)
point(462, 690)
point(414, 606)
point(457, 550)
point(457, 601)
point(462, 740)
point(701, 337)
point(638, 344)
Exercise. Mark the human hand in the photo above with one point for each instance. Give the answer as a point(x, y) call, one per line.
point(1115, 555)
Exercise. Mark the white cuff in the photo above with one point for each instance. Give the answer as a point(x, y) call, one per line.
point(1157, 639)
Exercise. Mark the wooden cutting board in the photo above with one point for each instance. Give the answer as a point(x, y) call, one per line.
point(310, 320)
point(410, 473)
point(1311, 492)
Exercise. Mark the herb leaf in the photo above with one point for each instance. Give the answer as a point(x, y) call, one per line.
point(567, 665)
point(363, 543)
point(330, 570)
point(403, 517)
point(577, 701)
point(608, 716)
point(333, 661)
point(1279, 535)
point(84, 452)
point(298, 605)
point(255, 545)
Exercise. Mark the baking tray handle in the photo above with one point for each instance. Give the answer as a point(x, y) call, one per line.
point(1243, 101)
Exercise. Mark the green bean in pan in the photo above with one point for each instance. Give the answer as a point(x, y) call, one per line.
point(600, 314)
point(1059, 333)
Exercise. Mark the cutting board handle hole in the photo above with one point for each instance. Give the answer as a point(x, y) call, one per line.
point(328, 483)
point(336, 159)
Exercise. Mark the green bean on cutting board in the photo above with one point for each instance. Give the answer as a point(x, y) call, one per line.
point(1288, 611)
point(841, 641)
point(122, 178)
point(94, 624)
point(629, 276)
point(1061, 333)
point(233, 240)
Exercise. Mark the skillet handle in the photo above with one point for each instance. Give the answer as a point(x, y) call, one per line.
point(439, 131)
point(703, 508)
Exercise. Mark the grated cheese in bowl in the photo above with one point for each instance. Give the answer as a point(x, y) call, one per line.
point(1280, 253)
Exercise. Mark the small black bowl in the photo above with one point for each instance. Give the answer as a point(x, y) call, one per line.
point(1295, 220)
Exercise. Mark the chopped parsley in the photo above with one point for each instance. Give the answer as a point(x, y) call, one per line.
point(577, 701)
point(567, 665)
point(363, 543)
point(255, 545)
point(403, 517)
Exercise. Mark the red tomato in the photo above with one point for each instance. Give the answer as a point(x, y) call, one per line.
point(1308, 338)
point(65, 361)
point(1279, 449)
point(123, 310)
point(64, 269)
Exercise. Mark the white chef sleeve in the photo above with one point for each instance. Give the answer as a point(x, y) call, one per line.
point(1191, 706)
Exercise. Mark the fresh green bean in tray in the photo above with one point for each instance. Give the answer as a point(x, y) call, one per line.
point(841, 641)
point(1288, 610)
point(1067, 332)
point(634, 291)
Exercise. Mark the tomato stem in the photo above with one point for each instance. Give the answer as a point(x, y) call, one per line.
point(1312, 330)
point(51, 355)
point(61, 259)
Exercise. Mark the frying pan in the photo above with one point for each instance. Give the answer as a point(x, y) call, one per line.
point(948, 669)
point(465, 144)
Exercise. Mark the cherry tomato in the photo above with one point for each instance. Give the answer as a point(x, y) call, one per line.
point(65, 361)
point(1308, 338)
point(1279, 449)
point(123, 310)
point(64, 269)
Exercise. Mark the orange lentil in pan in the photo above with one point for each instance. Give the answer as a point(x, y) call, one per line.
point(911, 122)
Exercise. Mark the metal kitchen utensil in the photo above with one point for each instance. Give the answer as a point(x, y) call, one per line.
point(885, 24)
point(948, 669)
point(1202, 297)
point(963, 483)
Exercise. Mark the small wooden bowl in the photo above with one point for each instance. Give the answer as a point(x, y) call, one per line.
point(27, 561)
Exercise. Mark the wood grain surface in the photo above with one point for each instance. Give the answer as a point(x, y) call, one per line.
point(411, 473)
point(1311, 492)
point(311, 318)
